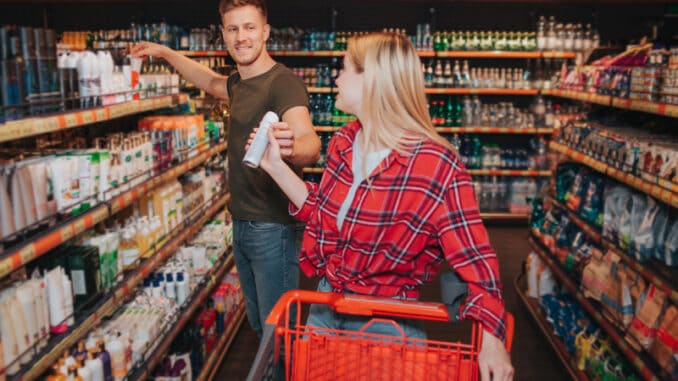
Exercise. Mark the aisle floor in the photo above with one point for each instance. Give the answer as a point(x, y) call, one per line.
point(532, 355)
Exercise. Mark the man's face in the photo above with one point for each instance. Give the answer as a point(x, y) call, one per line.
point(245, 33)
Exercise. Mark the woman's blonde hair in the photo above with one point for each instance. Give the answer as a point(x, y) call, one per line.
point(395, 114)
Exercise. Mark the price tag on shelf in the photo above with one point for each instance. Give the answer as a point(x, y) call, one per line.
point(599, 166)
point(116, 111)
point(87, 117)
point(101, 114)
point(25, 255)
point(645, 106)
point(71, 120)
point(671, 110)
point(80, 225)
point(146, 104)
point(67, 232)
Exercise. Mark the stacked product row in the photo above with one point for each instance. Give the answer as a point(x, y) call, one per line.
point(124, 342)
point(36, 81)
point(642, 73)
point(76, 275)
point(588, 345)
point(36, 185)
point(638, 229)
point(642, 153)
point(199, 338)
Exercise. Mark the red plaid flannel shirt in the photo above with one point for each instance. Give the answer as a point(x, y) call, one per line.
point(420, 210)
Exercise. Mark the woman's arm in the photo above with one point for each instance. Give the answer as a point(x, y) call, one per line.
point(282, 174)
point(464, 240)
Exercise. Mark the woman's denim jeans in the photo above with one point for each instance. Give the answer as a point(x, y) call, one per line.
point(322, 316)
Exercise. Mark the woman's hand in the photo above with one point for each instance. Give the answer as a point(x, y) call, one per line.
point(273, 156)
point(494, 360)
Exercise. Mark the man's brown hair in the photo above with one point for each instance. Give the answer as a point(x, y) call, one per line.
point(227, 5)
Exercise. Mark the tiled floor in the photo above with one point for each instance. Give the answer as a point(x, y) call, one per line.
point(532, 356)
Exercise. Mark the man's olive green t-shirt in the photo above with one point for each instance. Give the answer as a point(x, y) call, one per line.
point(254, 195)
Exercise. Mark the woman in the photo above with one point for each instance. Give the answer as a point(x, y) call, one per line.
point(394, 200)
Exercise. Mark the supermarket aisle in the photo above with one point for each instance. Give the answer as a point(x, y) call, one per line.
point(532, 356)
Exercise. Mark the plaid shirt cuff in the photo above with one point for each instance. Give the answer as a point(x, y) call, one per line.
point(304, 213)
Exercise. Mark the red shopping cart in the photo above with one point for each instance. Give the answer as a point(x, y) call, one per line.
point(321, 354)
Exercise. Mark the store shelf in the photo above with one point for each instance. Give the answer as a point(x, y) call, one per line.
point(322, 90)
point(201, 294)
point(508, 172)
point(313, 170)
point(326, 129)
point(460, 91)
point(32, 126)
point(422, 53)
point(43, 242)
point(128, 198)
point(215, 358)
point(583, 96)
point(663, 190)
point(535, 311)
point(495, 130)
point(645, 106)
point(621, 103)
point(306, 53)
point(663, 277)
point(474, 172)
point(204, 53)
point(469, 130)
point(119, 295)
point(491, 216)
point(646, 366)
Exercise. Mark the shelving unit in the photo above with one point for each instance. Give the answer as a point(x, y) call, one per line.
point(503, 216)
point(661, 190)
point(44, 241)
point(422, 53)
point(495, 130)
point(535, 311)
point(646, 366)
point(468, 91)
point(119, 295)
point(475, 172)
point(32, 126)
point(470, 130)
point(210, 367)
point(663, 278)
point(620, 103)
point(203, 291)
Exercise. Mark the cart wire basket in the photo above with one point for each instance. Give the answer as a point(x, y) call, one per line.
point(303, 353)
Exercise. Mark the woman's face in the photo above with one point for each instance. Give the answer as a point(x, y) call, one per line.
point(350, 86)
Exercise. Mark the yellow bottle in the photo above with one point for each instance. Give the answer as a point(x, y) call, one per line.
point(129, 249)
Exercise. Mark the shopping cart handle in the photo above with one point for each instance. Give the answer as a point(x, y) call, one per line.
point(361, 305)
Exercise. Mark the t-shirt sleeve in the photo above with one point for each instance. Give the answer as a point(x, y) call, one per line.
point(287, 91)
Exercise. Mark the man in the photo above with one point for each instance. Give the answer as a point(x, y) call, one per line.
point(266, 239)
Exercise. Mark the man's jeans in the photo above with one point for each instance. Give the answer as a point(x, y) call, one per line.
point(267, 258)
point(322, 316)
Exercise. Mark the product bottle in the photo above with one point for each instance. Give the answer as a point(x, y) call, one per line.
point(170, 290)
point(55, 374)
point(129, 249)
point(73, 374)
point(84, 372)
point(95, 366)
point(182, 288)
point(105, 358)
point(117, 352)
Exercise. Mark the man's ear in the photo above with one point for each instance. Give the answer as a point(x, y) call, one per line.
point(267, 31)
